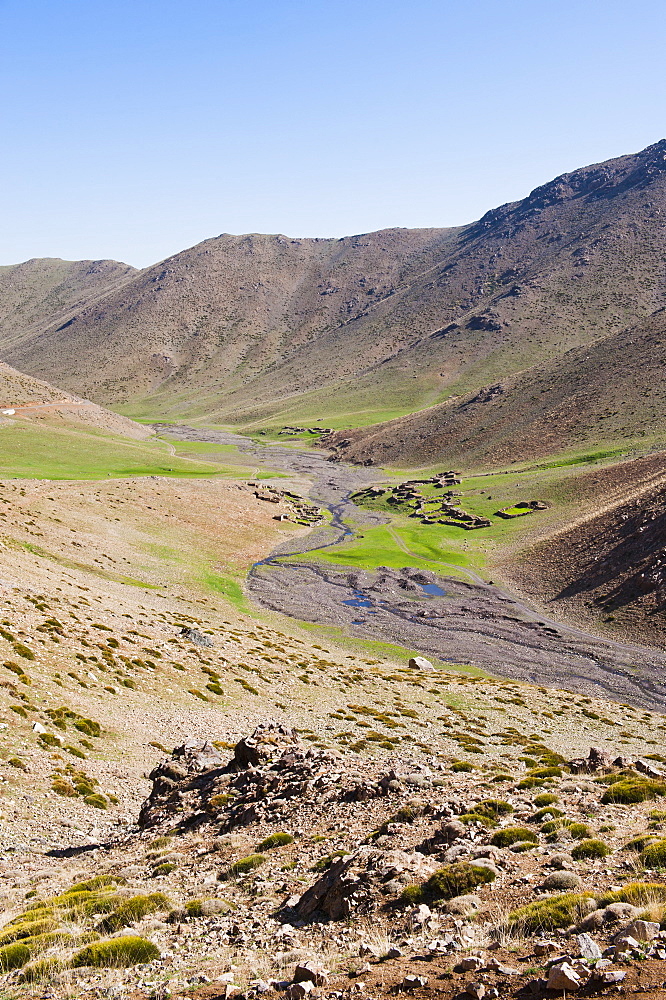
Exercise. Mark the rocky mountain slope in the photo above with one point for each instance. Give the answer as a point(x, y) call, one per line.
point(608, 392)
point(45, 291)
point(259, 328)
point(201, 803)
point(33, 401)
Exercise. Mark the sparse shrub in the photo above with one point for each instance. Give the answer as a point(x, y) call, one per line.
point(654, 855)
point(551, 811)
point(483, 818)
point(545, 799)
point(639, 843)
point(119, 952)
point(248, 864)
point(523, 845)
point(328, 859)
point(579, 831)
point(17, 762)
point(590, 849)
point(160, 842)
point(494, 807)
point(636, 893)
point(164, 869)
point(133, 909)
point(630, 790)
point(274, 840)
point(43, 970)
point(14, 956)
point(96, 800)
point(453, 880)
point(217, 802)
point(511, 835)
point(461, 765)
point(548, 914)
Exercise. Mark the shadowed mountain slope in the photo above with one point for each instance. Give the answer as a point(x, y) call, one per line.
point(259, 329)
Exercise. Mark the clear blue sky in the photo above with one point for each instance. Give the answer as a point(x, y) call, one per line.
point(134, 128)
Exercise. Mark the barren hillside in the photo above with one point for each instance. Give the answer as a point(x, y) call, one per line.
point(609, 391)
point(260, 328)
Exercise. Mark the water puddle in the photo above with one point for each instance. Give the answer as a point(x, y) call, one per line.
point(433, 589)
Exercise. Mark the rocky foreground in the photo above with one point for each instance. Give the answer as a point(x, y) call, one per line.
point(275, 868)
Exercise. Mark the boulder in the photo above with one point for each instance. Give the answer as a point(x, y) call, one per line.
point(563, 977)
point(420, 663)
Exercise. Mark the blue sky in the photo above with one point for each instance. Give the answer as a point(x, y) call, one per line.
point(135, 129)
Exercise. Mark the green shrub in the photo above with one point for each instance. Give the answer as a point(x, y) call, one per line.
point(493, 807)
point(14, 956)
point(511, 835)
point(548, 914)
point(546, 772)
point(119, 952)
point(636, 893)
point(590, 849)
point(523, 845)
point(630, 790)
point(531, 783)
point(96, 800)
point(89, 727)
point(97, 882)
point(545, 799)
point(654, 855)
point(461, 765)
point(194, 908)
point(26, 928)
point(164, 869)
point(483, 818)
point(43, 970)
point(639, 843)
point(411, 895)
point(453, 880)
point(579, 831)
point(248, 864)
point(62, 787)
point(546, 811)
point(275, 840)
point(134, 909)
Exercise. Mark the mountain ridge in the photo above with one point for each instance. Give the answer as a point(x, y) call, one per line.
point(259, 330)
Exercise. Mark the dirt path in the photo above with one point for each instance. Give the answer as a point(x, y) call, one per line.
point(469, 622)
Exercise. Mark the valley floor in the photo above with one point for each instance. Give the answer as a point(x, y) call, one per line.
point(126, 630)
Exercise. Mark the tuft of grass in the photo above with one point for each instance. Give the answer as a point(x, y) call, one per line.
point(545, 799)
point(133, 909)
point(247, 864)
point(636, 893)
point(579, 831)
point(590, 849)
point(548, 914)
point(279, 839)
point(512, 835)
point(630, 790)
point(654, 855)
point(14, 956)
point(494, 807)
point(445, 883)
point(119, 952)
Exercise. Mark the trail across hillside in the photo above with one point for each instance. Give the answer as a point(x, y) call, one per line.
point(470, 622)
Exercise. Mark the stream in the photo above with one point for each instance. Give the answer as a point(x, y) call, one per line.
point(457, 621)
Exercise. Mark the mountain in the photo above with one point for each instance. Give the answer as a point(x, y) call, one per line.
point(259, 330)
point(42, 292)
point(604, 393)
